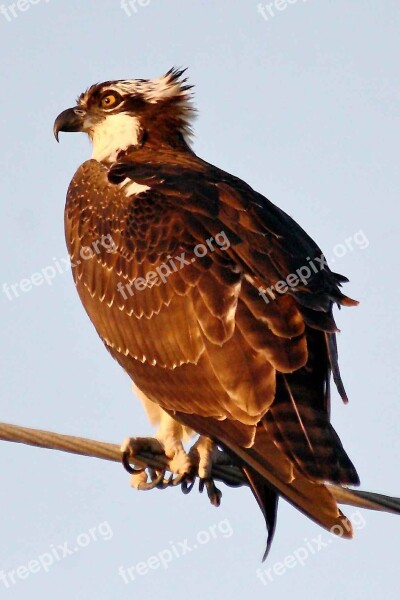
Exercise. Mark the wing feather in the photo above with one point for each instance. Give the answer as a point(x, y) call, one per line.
point(208, 342)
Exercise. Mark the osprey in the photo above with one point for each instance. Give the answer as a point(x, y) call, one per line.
point(214, 301)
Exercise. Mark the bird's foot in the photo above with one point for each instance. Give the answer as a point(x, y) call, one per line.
point(163, 457)
point(153, 457)
point(201, 455)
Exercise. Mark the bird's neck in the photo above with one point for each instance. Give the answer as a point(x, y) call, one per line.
point(114, 135)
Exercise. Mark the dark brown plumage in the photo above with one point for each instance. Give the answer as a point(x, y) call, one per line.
point(246, 370)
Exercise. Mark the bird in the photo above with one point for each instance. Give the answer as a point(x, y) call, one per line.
point(215, 302)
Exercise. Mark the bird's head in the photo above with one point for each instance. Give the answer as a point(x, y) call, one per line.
point(123, 114)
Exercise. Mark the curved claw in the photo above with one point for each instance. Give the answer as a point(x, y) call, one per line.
point(174, 481)
point(125, 461)
point(213, 492)
point(154, 483)
point(163, 483)
point(187, 485)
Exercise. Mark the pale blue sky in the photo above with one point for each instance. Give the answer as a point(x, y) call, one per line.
point(303, 106)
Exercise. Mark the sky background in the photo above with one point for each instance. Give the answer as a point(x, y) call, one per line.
point(304, 106)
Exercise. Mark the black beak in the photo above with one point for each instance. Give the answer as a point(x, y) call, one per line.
point(71, 119)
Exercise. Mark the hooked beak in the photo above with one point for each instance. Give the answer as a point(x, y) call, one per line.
point(72, 119)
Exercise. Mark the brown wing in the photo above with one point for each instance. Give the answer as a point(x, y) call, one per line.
point(201, 341)
point(293, 332)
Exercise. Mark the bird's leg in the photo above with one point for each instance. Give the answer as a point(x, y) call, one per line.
point(170, 434)
point(201, 454)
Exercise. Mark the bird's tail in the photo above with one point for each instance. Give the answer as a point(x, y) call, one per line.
point(270, 474)
point(274, 471)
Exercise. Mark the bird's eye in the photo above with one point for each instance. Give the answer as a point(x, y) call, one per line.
point(109, 100)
